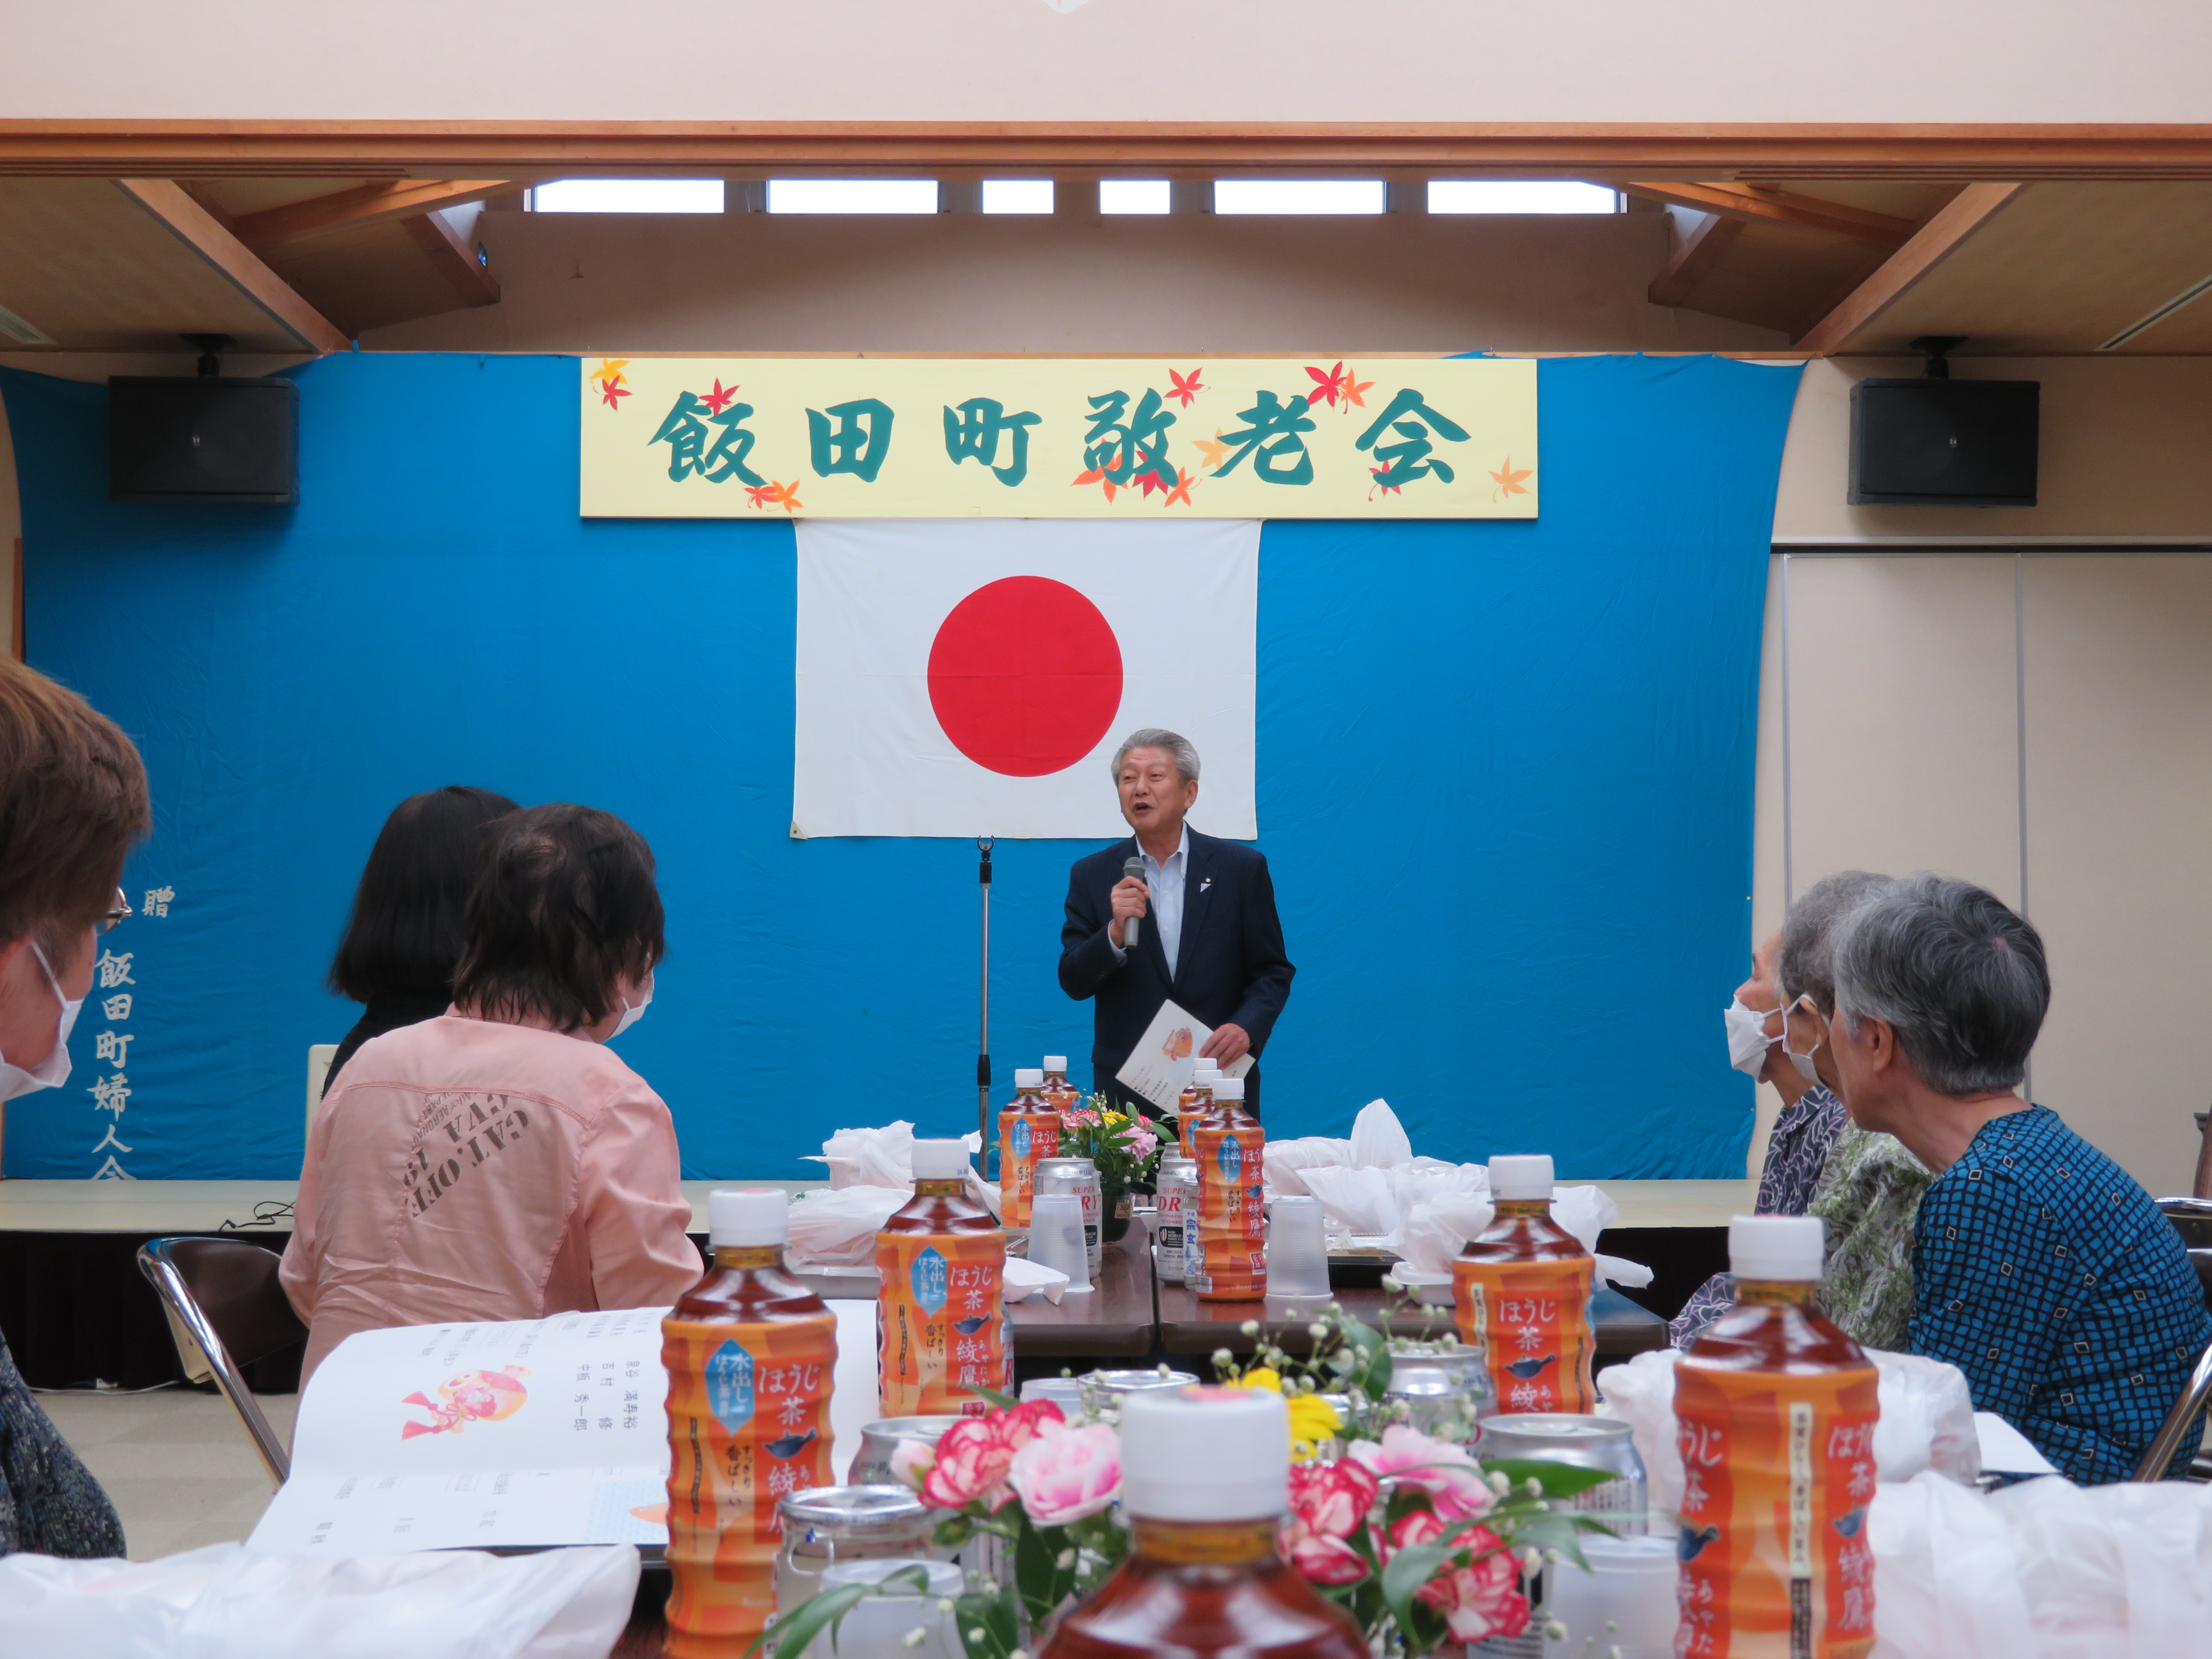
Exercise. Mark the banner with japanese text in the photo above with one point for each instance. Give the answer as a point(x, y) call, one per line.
point(1325, 437)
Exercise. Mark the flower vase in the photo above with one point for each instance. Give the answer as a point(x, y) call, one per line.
point(1113, 1211)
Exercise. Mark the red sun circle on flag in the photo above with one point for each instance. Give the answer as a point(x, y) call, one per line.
point(1025, 675)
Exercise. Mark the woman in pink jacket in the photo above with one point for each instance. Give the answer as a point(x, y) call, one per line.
point(499, 1162)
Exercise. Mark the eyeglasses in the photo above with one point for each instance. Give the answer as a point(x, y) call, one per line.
point(122, 909)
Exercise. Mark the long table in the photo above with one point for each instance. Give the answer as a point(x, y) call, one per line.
point(73, 1307)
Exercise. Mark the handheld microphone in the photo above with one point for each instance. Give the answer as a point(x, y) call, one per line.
point(1134, 867)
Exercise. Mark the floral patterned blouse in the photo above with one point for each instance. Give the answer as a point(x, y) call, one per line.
point(1869, 1195)
point(1796, 1152)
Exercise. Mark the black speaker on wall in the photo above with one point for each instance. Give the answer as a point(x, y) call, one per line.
point(207, 438)
point(1939, 442)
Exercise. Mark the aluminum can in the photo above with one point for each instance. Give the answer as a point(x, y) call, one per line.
point(879, 1440)
point(1079, 1176)
point(826, 1524)
point(1104, 1391)
point(1594, 1442)
point(1464, 1364)
point(1178, 1203)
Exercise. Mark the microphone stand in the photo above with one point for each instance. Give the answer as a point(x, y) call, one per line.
point(983, 845)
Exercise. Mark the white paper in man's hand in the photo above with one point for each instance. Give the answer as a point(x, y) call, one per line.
point(1164, 1057)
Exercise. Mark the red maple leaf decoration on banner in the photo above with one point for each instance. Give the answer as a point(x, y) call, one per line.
point(772, 494)
point(1328, 386)
point(1388, 489)
point(1185, 389)
point(609, 391)
point(718, 398)
point(1181, 491)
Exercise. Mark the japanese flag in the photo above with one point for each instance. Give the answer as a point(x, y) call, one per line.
point(974, 676)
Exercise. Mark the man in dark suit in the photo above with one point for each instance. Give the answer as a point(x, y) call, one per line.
point(1213, 943)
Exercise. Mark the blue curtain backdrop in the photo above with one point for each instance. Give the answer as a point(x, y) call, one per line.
point(1505, 779)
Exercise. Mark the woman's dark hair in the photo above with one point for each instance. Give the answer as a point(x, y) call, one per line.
point(563, 907)
point(405, 933)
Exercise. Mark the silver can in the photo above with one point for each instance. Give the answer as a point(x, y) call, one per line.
point(1431, 1401)
point(1104, 1391)
point(871, 1464)
point(826, 1524)
point(1589, 1443)
point(1464, 1364)
point(1177, 1209)
point(1079, 1176)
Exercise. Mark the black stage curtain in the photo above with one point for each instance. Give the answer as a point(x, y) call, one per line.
point(1680, 1259)
point(76, 1310)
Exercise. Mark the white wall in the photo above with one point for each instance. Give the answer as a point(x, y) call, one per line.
point(2040, 722)
point(1587, 62)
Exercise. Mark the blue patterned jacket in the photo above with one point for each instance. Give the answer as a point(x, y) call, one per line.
point(2050, 1278)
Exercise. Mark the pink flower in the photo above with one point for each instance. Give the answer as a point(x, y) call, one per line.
point(1140, 1141)
point(1479, 1600)
point(1452, 1479)
point(1066, 1474)
point(1329, 1502)
point(974, 1456)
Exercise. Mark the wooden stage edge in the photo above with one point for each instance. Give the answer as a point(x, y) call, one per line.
point(203, 1206)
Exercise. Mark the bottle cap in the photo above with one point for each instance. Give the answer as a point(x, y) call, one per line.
point(1229, 1088)
point(1204, 1453)
point(1521, 1176)
point(940, 1160)
point(1028, 1077)
point(1055, 1062)
point(1776, 1246)
point(749, 1219)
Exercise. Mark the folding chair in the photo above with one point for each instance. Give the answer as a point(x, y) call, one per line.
point(226, 1309)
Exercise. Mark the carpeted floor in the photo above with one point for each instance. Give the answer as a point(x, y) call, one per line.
point(176, 1462)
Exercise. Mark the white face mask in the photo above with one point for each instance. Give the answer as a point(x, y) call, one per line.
point(1746, 1037)
point(53, 1071)
point(1806, 1069)
point(632, 1011)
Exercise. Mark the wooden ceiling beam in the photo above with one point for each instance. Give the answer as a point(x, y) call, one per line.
point(1700, 252)
point(362, 204)
point(1948, 227)
point(1781, 207)
point(456, 261)
point(449, 150)
point(205, 234)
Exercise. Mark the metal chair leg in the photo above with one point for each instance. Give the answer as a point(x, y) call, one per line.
point(187, 1320)
point(2185, 1412)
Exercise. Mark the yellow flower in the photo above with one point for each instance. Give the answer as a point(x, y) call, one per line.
point(1313, 1421)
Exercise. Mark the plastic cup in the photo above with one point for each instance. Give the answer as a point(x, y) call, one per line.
point(1626, 1603)
point(1298, 1251)
point(878, 1627)
point(1056, 1238)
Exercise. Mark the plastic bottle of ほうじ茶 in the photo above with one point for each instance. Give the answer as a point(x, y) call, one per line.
point(1060, 1094)
point(940, 1315)
point(1029, 1130)
point(1775, 1412)
point(1205, 1478)
point(1196, 1100)
point(1225, 1233)
point(1521, 1292)
point(750, 1353)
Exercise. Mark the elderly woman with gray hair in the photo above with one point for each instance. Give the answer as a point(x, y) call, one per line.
point(2042, 1271)
point(1864, 1186)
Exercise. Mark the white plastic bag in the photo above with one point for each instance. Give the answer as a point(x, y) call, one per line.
point(870, 1157)
point(1927, 1418)
point(225, 1600)
point(1285, 1160)
point(837, 1227)
point(1947, 1581)
point(1379, 1141)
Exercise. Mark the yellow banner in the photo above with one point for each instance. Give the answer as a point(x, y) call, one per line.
point(1323, 437)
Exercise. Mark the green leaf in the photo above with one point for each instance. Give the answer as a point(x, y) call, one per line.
point(792, 1634)
point(992, 1397)
point(1410, 1568)
point(1558, 1479)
